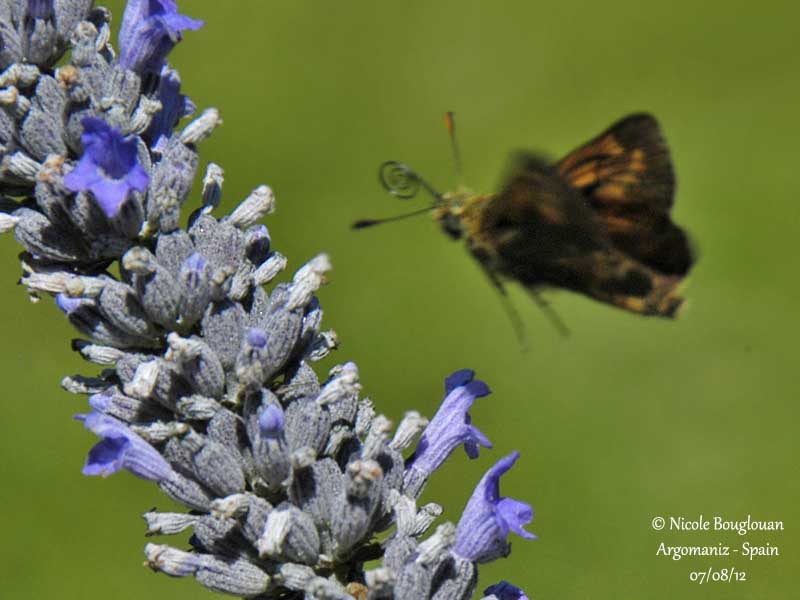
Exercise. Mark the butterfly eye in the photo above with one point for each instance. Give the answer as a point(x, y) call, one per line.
point(399, 180)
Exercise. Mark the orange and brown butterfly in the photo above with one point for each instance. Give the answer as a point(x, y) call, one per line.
point(597, 222)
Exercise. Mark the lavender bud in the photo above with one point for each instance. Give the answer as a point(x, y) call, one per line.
point(290, 534)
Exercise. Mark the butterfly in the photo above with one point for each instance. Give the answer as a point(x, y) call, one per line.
point(597, 222)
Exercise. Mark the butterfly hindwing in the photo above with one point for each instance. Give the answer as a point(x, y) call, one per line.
point(611, 276)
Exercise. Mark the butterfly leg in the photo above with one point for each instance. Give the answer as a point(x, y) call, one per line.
point(551, 314)
point(513, 315)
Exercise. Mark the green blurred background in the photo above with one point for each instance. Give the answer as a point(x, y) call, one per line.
point(628, 419)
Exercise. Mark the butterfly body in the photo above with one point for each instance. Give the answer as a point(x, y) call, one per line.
point(597, 222)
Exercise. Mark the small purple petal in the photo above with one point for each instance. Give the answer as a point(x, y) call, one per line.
point(178, 22)
point(106, 457)
point(479, 436)
point(271, 420)
point(505, 591)
point(101, 402)
point(472, 449)
point(138, 178)
point(174, 106)
point(85, 174)
point(457, 379)
point(257, 338)
point(478, 389)
point(514, 515)
point(110, 195)
point(195, 262)
point(478, 439)
point(97, 136)
point(68, 305)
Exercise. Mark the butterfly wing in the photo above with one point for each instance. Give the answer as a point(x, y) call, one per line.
point(626, 175)
point(540, 231)
point(614, 278)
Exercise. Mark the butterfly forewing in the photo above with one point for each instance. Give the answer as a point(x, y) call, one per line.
point(626, 176)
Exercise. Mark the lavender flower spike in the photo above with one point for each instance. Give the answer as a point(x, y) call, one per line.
point(504, 591)
point(448, 429)
point(149, 30)
point(108, 167)
point(291, 483)
point(488, 517)
point(121, 448)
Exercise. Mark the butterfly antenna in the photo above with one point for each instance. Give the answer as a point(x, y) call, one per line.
point(362, 223)
point(401, 181)
point(450, 123)
point(551, 314)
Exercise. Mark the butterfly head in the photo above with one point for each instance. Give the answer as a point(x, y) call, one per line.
point(451, 209)
point(456, 211)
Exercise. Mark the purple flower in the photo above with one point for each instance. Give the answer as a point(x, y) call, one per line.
point(149, 30)
point(505, 591)
point(68, 304)
point(488, 517)
point(271, 420)
point(257, 338)
point(174, 106)
point(121, 448)
point(449, 428)
point(109, 167)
